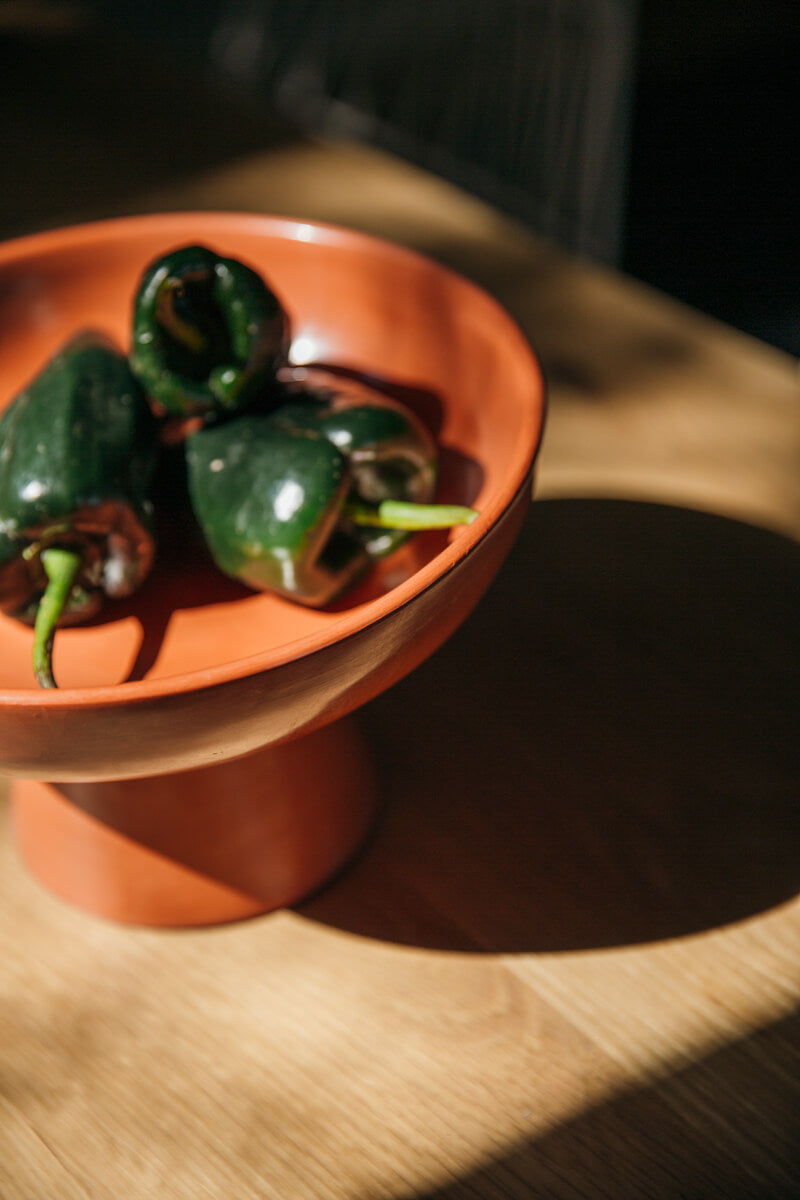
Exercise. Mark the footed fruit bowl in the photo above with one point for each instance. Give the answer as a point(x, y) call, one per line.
point(196, 763)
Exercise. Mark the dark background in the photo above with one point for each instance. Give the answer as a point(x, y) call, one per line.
point(656, 137)
point(714, 168)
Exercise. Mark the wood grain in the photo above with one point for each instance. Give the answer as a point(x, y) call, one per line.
point(566, 965)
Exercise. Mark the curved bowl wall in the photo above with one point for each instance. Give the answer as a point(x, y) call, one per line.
point(195, 670)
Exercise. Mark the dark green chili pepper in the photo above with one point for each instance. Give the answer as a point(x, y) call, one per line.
point(208, 334)
point(268, 501)
point(392, 455)
point(302, 500)
point(78, 448)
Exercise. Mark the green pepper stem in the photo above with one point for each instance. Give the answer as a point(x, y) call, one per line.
point(405, 515)
point(61, 568)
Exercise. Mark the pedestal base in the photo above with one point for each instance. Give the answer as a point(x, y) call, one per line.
point(206, 846)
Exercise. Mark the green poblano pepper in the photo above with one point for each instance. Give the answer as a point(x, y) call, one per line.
point(208, 334)
point(392, 455)
point(78, 447)
point(301, 500)
point(268, 501)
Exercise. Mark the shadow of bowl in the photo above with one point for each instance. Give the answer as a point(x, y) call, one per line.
point(606, 752)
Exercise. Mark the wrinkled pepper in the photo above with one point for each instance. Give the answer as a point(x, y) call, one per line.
point(392, 455)
point(78, 447)
point(207, 334)
point(301, 500)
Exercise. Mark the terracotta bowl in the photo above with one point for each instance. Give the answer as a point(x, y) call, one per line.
point(194, 765)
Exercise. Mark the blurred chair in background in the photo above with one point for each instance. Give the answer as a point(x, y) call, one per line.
point(524, 103)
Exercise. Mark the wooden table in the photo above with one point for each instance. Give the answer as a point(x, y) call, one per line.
point(567, 963)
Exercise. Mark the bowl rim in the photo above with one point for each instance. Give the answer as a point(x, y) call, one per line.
point(349, 622)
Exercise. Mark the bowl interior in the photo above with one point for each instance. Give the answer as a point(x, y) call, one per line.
point(355, 303)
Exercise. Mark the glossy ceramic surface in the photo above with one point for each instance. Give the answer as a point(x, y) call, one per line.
point(195, 670)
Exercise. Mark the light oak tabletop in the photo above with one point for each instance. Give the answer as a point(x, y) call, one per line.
point(567, 963)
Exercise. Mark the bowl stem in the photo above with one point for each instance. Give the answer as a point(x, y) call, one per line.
point(206, 846)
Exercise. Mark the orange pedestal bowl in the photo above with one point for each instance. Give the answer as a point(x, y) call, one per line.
point(197, 764)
